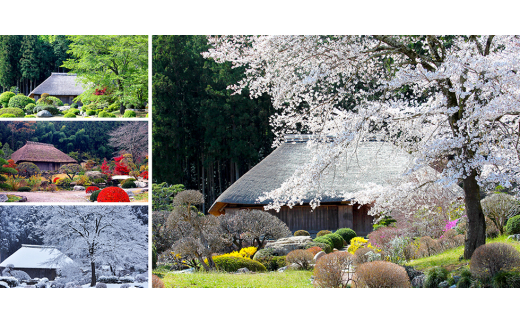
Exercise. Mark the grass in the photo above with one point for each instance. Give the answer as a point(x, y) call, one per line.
point(13, 198)
point(450, 258)
point(286, 279)
point(142, 197)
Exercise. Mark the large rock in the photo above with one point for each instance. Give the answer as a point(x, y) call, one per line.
point(94, 174)
point(3, 198)
point(130, 193)
point(282, 247)
point(79, 188)
point(44, 114)
point(318, 256)
point(141, 184)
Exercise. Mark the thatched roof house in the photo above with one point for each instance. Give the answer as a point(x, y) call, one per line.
point(64, 86)
point(45, 156)
point(37, 261)
point(372, 162)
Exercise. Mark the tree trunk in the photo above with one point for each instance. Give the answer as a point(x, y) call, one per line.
point(93, 277)
point(122, 109)
point(476, 227)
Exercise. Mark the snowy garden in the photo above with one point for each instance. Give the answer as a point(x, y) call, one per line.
point(74, 247)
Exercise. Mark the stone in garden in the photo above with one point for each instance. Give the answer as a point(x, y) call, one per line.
point(282, 269)
point(64, 108)
point(130, 193)
point(444, 284)
point(242, 271)
point(44, 114)
point(94, 174)
point(282, 247)
point(514, 237)
point(79, 188)
point(141, 184)
point(318, 256)
point(3, 198)
point(187, 271)
point(417, 282)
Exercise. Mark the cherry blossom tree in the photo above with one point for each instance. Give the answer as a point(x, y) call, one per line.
point(450, 100)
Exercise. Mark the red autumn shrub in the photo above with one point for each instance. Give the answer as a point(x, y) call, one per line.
point(91, 189)
point(121, 168)
point(10, 164)
point(144, 174)
point(314, 250)
point(157, 282)
point(113, 194)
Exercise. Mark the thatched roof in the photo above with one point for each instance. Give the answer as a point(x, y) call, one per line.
point(40, 152)
point(40, 257)
point(59, 84)
point(371, 162)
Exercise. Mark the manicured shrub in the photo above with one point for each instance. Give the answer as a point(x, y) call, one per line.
point(347, 234)
point(322, 233)
point(380, 274)
point(263, 253)
point(5, 97)
point(331, 270)
point(326, 240)
point(232, 264)
point(24, 189)
point(93, 197)
point(29, 108)
point(113, 194)
point(272, 263)
point(74, 105)
point(301, 233)
point(362, 255)
point(91, 189)
point(489, 259)
point(302, 258)
point(337, 240)
point(428, 247)
point(19, 101)
point(69, 115)
point(513, 225)
point(7, 115)
point(17, 112)
point(324, 246)
point(54, 101)
point(105, 114)
point(129, 114)
point(91, 112)
point(30, 116)
point(73, 110)
point(434, 276)
point(314, 250)
point(360, 242)
point(52, 109)
point(465, 279)
point(128, 184)
point(27, 169)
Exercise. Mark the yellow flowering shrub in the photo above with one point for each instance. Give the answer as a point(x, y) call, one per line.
point(248, 252)
point(360, 242)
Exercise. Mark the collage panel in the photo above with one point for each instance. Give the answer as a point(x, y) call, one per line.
point(67, 246)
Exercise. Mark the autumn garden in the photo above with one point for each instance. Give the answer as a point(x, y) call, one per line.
point(449, 218)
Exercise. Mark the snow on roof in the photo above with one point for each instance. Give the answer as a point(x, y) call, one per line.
point(32, 256)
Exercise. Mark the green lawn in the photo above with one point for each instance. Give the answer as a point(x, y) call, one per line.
point(287, 279)
point(450, 258)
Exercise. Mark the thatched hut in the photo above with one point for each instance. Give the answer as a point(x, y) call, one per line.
point(64, 86)
point(37, 261)
point(45, 156)
point(369, 162)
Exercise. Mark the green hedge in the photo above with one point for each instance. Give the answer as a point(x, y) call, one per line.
point(513, 225)
point(19, 101)
point(5, 97)
point(232, 264)
point(17, 112)
point(347, 234)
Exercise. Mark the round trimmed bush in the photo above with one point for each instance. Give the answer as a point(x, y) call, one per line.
point(513, 225)
point(91, 189)
point(24, 189)
point(314, 250)
point(232, 264)
point(69, 115)
point(273, 263)
point(113, 194)
point(19, 101)
point(54, 101)
point(380, 274)
point(28, 169)
point(301, 233)
point(17, 112)
point(324, 246)
point(29, 108)
point(30, 116)
point(302, 258)
point(337, 240)
point(52, 109)
point(129, 114)
point(157, 282)
point(73, 110)
point(325, 239)
point(7, 115)
point(93, 197)
point(347, 234)
point(506, 279)
point(128, 184)
point(329, 271)
point(105, 114)
point(91, 112)
point(489, 259)
point(74, 105)
point(5, 97)
point(322, 233)
point(263, 253)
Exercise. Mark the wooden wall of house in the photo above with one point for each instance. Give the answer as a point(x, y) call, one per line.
point(47, 165)
point(39, 272)
point(325, 217)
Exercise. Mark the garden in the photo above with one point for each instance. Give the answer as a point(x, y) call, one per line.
point(252, 248)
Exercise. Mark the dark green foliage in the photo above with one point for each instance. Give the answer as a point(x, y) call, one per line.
point(29, 108)
point(464, 282)
point(19, 101)
point(322, 233)
point(506, 279)
point(232, 264)
point(14, 111)
point(94, 195)
point(263, 253)
point(73, 110)
point(513, 225)
point(4, 170)
point(347, 234)
point(55, 101)
point(326, 240)
point(301, 233)
point(128, 184)
point(273, 263)
point(74, 105)
point(195, 115)
point(337, 240)
point(324, 246)
point(434, 276)
point(52, 109)
point(24, 189)
point(384, 222)
point(91, 112)
point(105, 114)
point(154, 257)
point(28, 169)
point(162, 196)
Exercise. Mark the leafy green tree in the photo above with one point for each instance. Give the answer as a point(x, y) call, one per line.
point(117, 65)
